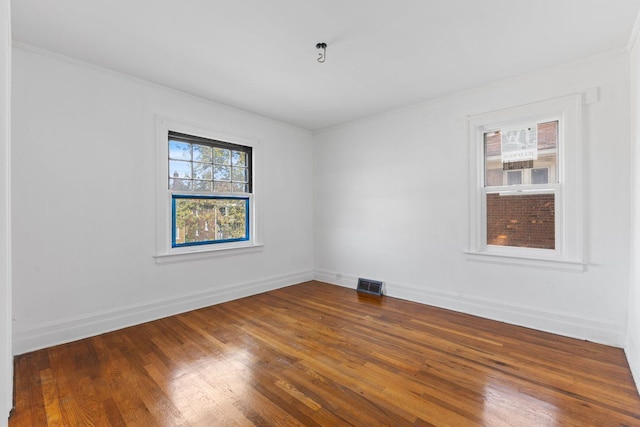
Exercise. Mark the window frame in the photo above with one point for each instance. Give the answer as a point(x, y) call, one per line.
point(166, 251)
point(569, 240)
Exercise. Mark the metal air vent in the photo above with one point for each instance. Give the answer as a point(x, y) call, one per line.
point(372, 287)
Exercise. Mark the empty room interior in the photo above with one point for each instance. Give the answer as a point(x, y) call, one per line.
point(320, 213)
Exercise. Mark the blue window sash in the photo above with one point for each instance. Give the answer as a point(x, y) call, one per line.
point(175, 197)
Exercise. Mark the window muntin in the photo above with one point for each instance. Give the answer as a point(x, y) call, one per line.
point(520, 159)
point(210, 183)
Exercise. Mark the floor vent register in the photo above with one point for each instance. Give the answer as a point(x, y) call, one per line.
point(372, 287)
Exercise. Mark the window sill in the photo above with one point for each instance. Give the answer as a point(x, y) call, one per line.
point(193, 255)
point(540, 263)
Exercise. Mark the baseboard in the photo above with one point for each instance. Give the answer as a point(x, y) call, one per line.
point(71, 329)
point(557, 323)
point(632, 351)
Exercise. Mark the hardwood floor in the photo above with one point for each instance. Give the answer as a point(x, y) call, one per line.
point(316, 354)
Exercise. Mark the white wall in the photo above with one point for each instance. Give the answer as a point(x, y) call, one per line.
point(391, 203)
point(633, 340)
point(84, 204)
point(6, 365)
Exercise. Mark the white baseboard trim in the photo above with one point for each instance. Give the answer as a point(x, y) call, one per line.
point(632, 351)
point(62, 331)
point(557, 323)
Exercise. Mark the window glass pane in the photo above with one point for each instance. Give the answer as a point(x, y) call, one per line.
point(179, 169)
point(180, 184)
point(548, 151)
point(179, 150)
point(493, 166)
point(222, 156)
point(202, 170)
point(239, 174)
point(521, 220)
point(521, 148)
point(238, 187)
point(222, 173)
point(493, 177)
point(514, 177)
point(238, 158)
point(222, 187)
point(540, 176)
point(209, 220)
point(202, 186)
point(202, 153)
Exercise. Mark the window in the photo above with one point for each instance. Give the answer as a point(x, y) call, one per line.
point(512, 217)
point(525, 189)
point(206, 192)
point(210, 183)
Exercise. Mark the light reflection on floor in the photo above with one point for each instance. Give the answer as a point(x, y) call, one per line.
point(210, 388)
point(504, 405)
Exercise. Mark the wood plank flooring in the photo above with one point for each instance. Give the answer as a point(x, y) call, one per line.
point(321, 355)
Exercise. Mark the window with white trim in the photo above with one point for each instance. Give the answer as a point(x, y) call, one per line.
point(525, 189)
point(210, 185)
point(206, 192)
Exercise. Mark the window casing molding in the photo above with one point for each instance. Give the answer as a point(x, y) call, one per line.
point(165, 252)
point(568, 253)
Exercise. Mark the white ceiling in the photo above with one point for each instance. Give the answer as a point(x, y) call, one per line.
point(260, 55)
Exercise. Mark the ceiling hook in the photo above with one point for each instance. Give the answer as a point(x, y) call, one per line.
point(322, 56)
